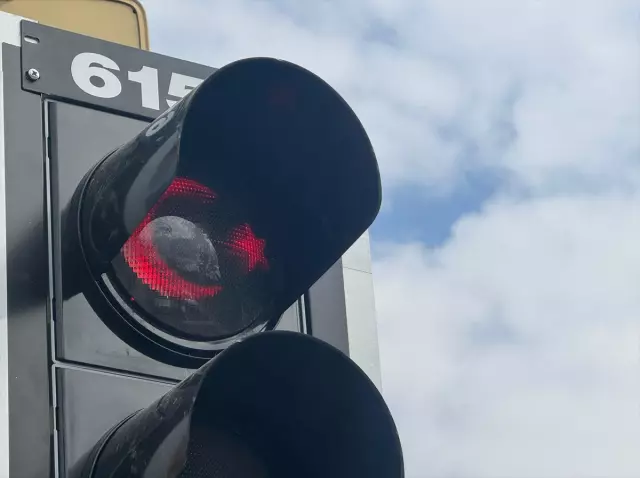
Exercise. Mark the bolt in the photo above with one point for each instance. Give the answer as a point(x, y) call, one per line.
point(33, 74)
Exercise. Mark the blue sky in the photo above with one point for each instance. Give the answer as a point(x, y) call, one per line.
point(508, 135)
point(415, 215)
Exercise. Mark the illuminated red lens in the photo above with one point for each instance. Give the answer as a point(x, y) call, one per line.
point(246, 246)
point(151, 269)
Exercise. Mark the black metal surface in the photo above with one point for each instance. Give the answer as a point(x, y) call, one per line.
point(81, 336)
point(53, 56)
point(308, 411)
point(27, 273)
point(292, 319)
point(91, 403)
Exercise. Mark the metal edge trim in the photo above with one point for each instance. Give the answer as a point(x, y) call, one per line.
point(10, 34)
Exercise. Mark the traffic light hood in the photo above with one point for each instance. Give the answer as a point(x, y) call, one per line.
point(306, 411)
point(232, 203)
point(267, 136)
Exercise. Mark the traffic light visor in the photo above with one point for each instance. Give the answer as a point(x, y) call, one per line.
point(308, 411)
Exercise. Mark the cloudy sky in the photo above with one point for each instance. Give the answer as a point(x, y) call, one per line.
point(507, 254)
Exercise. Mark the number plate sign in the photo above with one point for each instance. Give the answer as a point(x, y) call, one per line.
point(96, 72)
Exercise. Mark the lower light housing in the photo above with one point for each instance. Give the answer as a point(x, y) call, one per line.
point(277, 404)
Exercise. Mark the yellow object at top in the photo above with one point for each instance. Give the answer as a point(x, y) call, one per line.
point(118, 21)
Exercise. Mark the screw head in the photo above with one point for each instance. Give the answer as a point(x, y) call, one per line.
point(33, 74)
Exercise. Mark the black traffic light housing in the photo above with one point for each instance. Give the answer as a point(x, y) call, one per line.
point(254, 135)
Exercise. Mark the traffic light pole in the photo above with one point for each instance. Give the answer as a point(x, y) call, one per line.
point(9, 34)
point(27, 412)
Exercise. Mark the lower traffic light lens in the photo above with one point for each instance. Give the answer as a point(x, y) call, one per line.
point(194, 266)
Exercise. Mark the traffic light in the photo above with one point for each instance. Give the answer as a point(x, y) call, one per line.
point(190, 231)
point(189, 236)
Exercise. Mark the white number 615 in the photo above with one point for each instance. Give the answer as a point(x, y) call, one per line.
point(87, 66)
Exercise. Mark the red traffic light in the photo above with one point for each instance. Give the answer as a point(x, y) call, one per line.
point(213, 220)
point(182, 263)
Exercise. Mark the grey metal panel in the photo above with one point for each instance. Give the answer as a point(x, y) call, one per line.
point(343, 308)
point(81, 336)
point(358, 256)
point(360, 307)
point(87, 340)
point(92, 402)
point(291, 319)
point(27, 276)
point(326, 309)
point(361, 322)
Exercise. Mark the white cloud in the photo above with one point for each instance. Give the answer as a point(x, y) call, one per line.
point(513, 350)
